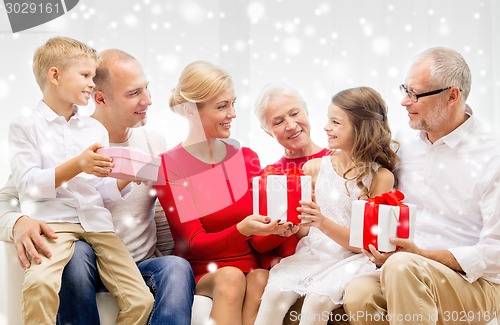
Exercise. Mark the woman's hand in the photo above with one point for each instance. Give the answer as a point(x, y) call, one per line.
point(289, 230)
point(262, 226)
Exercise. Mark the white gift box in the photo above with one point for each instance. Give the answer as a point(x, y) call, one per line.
point(278, 196)
point(132, 164)
point(378, 232)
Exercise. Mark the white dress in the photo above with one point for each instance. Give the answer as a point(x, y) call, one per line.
point(320, 265)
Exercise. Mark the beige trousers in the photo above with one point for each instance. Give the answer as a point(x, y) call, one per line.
point(337, 316)
point(116, 267)
point(412, 289)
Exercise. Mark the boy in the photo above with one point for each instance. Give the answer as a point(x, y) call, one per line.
point(49, 150)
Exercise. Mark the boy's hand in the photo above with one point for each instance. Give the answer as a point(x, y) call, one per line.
point(94, 163)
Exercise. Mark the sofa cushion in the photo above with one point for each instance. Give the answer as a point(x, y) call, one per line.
point(164, 242)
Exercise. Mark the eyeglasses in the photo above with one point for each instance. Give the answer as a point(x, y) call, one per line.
point(414, 97)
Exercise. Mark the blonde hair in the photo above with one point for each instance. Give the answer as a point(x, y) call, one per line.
point(270, 91)
point(199, 82)
point(372, 136)
point(59, 52)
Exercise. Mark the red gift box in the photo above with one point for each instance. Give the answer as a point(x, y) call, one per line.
point(376, 220)
point(276, 193)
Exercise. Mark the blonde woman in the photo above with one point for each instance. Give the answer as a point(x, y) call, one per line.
point(204, 189)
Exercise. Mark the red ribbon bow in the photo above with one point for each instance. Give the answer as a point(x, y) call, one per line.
point(271, 170)
point(394, 198)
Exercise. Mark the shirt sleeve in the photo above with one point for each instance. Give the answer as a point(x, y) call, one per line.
point(10, 210)
point(483, 259)
point(33, 182)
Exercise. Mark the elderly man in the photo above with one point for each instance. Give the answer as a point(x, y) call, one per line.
point(450, 168)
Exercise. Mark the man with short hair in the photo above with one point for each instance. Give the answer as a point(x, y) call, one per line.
point(450, 168)
point(121, 99)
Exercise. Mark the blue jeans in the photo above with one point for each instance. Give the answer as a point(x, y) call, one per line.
point(169, 278)
point(79, 282)
point(171, 281)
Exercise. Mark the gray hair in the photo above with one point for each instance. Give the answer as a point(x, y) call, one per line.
point(447, 68)
point(270, 91)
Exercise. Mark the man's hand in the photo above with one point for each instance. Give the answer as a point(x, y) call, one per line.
point(28, 240)
point(406, 245)
point(379, 258)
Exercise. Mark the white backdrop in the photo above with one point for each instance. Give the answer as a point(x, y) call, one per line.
point(319, 46)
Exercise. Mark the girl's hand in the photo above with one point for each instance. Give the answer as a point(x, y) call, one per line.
point(311, 214)
point(379, 258)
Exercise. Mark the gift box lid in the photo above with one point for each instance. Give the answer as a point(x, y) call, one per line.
point(132, 164)
point(132, 153)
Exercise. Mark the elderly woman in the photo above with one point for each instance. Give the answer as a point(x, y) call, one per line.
point(283, 114)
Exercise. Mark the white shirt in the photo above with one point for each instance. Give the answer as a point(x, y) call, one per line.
point(455, 184)
point(133, 217)
point(42, 141)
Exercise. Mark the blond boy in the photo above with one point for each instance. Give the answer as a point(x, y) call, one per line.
point(55, 168)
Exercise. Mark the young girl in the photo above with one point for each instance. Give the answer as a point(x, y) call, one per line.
point(360, 166)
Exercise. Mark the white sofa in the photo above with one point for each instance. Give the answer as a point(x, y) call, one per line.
point(12, 275)
point(11, 278)
point(11, 284)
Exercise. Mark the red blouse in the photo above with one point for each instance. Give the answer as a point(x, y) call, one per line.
point(285, 163)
